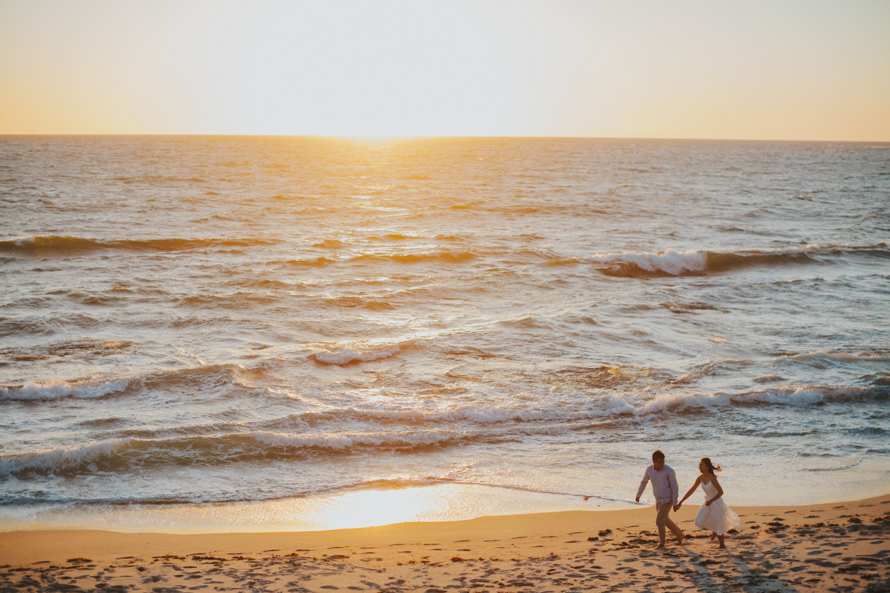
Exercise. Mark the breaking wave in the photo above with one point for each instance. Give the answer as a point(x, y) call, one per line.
point(348, 355)
point(698, 262)
point(354, 352)
point(129, 455)
point(63, 389)
point(96, 388)
point(414, 431)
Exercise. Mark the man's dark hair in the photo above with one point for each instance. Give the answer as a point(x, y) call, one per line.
point(658, 456)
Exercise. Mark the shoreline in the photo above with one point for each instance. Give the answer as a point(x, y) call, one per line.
point(430, 503)
point(821, 547)
point(444, 502)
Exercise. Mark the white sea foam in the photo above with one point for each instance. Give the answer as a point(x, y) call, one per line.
point(615, 404)
point(808, 396)
point(347, 355)
point(836, 358)
point(479, 414)
point(603, 407)
point(59, 457)
point(677, 262)
point(670, 261)
point(61, 389)
point(348, 441)
point(839, 467)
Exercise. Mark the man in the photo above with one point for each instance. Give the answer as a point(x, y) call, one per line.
point(664, 488)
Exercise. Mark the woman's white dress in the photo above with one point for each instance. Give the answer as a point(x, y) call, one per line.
point(718, 517)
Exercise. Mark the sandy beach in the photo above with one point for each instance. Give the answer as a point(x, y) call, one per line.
point(826, 547)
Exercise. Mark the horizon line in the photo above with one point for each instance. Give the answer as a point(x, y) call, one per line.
point(434, 137)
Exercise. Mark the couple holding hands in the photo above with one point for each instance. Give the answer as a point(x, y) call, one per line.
point(714, 515)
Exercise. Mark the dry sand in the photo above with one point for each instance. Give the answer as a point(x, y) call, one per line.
point(827, 547)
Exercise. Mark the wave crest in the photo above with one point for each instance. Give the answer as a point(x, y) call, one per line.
point(667, 263)
point(347, 355)
point(63, 389)
point(72, 245)
point(697, 262)
point(99, 387)
point(125, 455)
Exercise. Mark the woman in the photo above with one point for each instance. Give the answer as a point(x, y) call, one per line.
point(714, 514)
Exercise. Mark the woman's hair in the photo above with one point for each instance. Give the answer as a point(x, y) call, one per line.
point(711, 467)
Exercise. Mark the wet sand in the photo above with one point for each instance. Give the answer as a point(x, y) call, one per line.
point(838, 547)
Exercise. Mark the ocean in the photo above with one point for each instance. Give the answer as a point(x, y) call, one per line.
point(202, 334)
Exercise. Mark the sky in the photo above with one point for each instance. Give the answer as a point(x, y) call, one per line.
point(774, 70)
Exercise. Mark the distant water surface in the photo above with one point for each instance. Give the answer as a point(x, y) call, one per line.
point(225, 322)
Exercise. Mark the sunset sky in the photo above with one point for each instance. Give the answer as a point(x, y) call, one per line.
point(776, 69)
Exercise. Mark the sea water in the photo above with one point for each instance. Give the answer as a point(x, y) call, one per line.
point(256, 333)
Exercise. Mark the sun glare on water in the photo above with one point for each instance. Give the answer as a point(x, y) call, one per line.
point(370, 508)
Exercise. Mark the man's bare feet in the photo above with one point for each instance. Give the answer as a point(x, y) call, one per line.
point(659, 547)
point(680, 538)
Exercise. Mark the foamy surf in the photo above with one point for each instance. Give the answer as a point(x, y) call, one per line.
point(690, 262)
point(341, 356)
point(55, 390)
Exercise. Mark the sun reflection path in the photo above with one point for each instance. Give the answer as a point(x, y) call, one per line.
point(372, 508)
